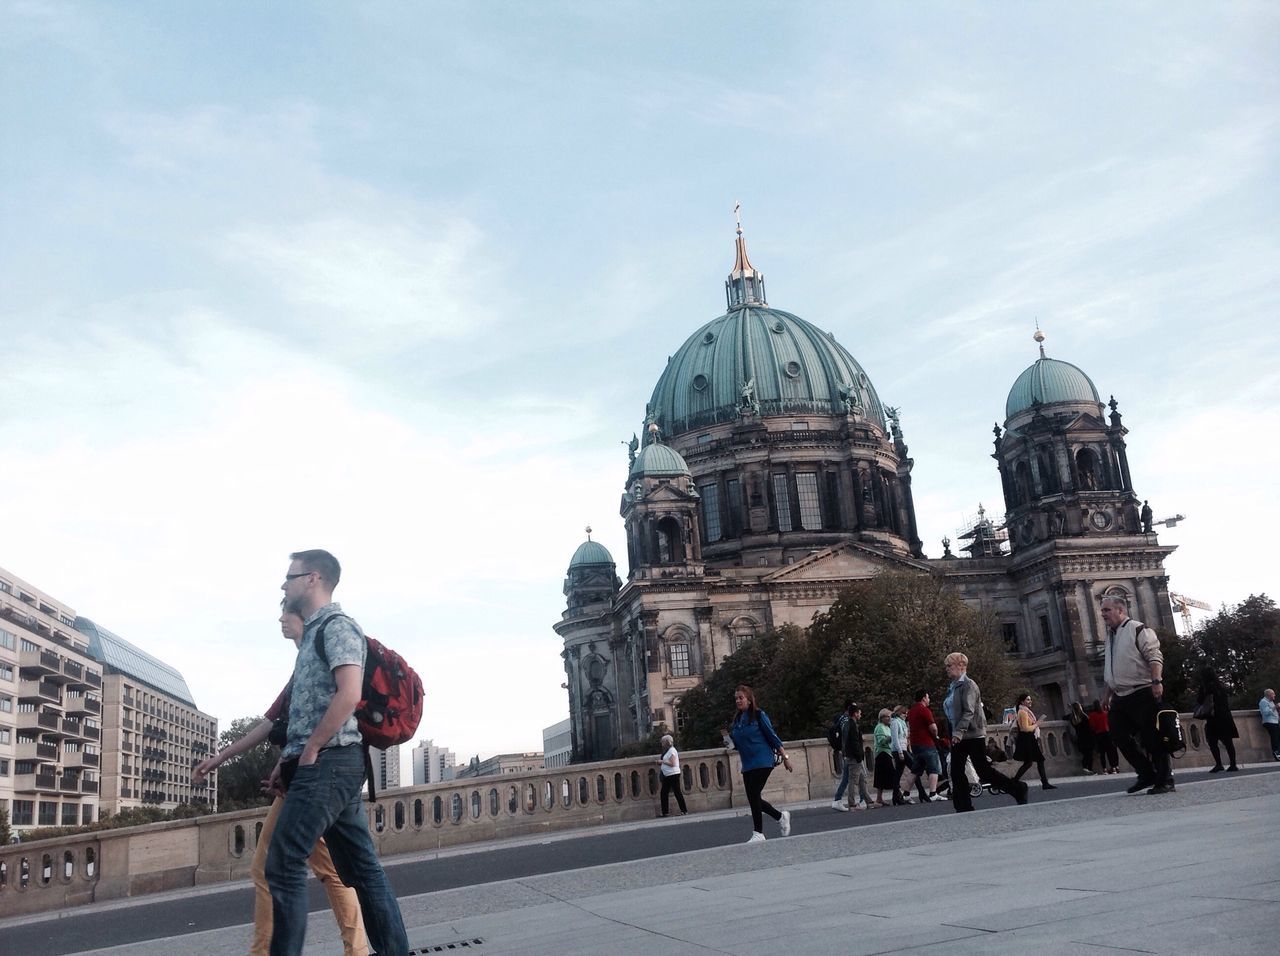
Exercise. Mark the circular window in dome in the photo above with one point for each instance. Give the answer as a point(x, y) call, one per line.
point(792, 369)
point(700, 382)
point(708, 338)
point(778, 326)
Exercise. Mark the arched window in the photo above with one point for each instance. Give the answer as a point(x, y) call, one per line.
point(670, 541)
point(1048, 474)
point(1022, 481)
point(1087, 470)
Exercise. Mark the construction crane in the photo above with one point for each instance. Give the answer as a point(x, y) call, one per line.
point(1183, 605)
point(1172, 523)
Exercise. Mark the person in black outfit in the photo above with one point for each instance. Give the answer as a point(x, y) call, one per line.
point(1084, 738)
point(1219, 725)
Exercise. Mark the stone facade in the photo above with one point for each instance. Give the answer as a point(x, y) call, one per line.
point(756, 506)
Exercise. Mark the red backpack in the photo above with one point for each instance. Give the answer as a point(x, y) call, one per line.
point(390, 706)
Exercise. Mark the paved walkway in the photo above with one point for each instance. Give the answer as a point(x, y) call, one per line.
point(1197, 871)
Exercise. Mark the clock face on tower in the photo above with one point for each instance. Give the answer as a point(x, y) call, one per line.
point(1100, 520)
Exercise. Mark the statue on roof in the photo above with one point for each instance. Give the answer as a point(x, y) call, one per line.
point(632, 447)
point(747, 402)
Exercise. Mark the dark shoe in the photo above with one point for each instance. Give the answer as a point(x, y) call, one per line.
point(1160, 788)
point(1021, 793)
point(1233, 769)
point(1087, 772)
point(1142, 784)
point(1216, 769)
point(1048, 786)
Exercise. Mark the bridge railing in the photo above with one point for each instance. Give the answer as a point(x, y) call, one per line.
point(70, 871)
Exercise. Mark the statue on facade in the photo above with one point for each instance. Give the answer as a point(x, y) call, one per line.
point(747, 397)
point(1147, 517)
point(850, 398)
point(632, 447)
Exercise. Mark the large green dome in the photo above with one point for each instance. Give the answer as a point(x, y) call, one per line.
point(788, 365)
point(1047, 381)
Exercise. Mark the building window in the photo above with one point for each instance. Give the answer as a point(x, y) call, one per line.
point(681, 720)
point(86, 814)
point(23, 813)
point(733, 507)
point(4, 767)
point(710, 495)
point(1011, 638)
point(782, 500)
point(8, 641)
point(6, 671)
point(679, 660)
point(69, 814)
point(6, 704)
point(6, 735)
point(48, 813)
point(1045, 633)
point(807, 496)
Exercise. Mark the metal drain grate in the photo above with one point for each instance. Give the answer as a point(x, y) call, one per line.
point(449, 947)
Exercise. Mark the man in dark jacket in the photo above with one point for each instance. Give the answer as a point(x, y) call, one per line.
point(854, 777)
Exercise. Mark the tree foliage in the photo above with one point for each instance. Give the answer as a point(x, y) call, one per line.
point(1242, 644)
point(5, 835)
point(240, 778)
point(881, 640)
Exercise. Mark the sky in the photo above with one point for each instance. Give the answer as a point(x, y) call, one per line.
point(397, 280)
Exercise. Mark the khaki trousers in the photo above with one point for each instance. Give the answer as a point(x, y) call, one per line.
point(346, 907)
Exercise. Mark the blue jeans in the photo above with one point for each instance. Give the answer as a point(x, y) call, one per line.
point(324, 800)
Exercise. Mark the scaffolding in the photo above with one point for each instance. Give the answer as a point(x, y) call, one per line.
point(987, 536)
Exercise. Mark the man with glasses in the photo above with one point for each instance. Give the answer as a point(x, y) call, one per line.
point(323, 767)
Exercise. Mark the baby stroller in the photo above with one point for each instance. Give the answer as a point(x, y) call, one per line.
point(996, 754)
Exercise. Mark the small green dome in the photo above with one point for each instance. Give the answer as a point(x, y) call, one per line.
point(1047, 381)
point(590, 552)
point(755, 354)
point(658, 461)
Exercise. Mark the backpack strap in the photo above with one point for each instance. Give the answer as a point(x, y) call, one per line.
point(321, 651)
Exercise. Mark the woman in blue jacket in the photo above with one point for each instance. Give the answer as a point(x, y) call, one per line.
point(756, 743)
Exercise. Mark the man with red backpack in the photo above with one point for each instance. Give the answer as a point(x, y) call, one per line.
point(323, 766)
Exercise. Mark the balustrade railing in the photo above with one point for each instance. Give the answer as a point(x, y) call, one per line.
point(58, 873)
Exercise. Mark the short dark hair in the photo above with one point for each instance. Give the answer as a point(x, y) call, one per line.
point(851, 707)
point(322, 563)
point(921, 694)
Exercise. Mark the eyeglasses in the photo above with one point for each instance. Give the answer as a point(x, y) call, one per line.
point(300, 574)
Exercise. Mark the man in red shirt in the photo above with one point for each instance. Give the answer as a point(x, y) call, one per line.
point(922, 738)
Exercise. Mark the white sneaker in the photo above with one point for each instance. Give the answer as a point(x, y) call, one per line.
point(935, 797)
point(860, 805)
point(839, 805)
point(756, 838)
point(784, 824)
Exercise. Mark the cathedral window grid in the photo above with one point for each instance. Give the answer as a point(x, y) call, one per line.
point(810, 504)
point(679, 654)
point(711, 526)
point(782, 499)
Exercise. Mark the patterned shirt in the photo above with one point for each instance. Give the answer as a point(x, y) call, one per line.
point(313, 683)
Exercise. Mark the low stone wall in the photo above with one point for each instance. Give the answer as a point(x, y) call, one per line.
point(57, 874)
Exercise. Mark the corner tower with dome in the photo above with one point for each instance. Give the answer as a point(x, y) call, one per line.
point(770, 476)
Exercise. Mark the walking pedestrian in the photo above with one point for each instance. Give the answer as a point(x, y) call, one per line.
point(854, 775)
point(322, 768)
point(1213, 704)
point(884, 772)
point(1133, 670)
point(671, 782)
point(757, 745)
point(1083, 736)
point(901, 750)
point(342, 899)
point(1103, 743)
point(1270, 715)
point(963, 707)
point(1027, 746)
point(922, 739)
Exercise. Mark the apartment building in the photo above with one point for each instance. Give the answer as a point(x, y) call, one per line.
point(154, 732)
point(432, 764)
point(50, 712)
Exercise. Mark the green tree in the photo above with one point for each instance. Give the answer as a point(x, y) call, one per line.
point(240, 778)
point(5, 835)
point(1242, 644)
point(879, 642)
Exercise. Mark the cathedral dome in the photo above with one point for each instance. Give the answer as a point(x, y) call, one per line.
point(658, 461)
point(758, 359)
point(1047, 381)
point(788, 365)
point(590, 552)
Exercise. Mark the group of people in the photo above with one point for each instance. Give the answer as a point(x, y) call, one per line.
point(909, 751)
point(315, 815)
